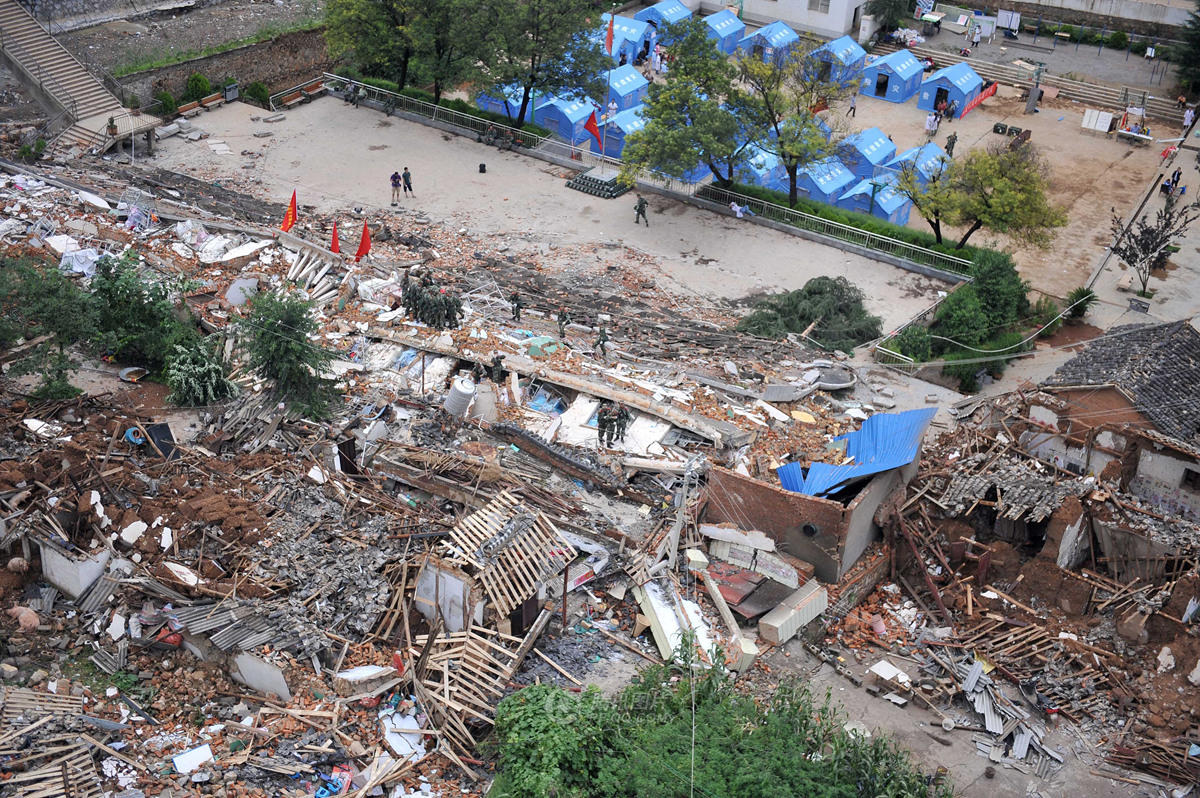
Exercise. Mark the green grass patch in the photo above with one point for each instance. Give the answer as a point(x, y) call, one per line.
point(266, 33)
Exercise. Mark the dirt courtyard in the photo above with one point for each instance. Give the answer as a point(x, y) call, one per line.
point(1091, 175)
point(339, 158)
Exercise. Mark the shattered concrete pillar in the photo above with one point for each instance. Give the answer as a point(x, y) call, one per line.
point(1132, 627)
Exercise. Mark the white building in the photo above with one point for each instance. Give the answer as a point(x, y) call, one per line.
point(828, 18)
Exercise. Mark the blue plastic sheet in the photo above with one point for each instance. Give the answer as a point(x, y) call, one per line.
point(885, 441)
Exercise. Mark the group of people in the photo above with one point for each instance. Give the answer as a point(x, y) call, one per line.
point(432, 305)
point(612, 419)
point(1172, 187)
point(401, 180)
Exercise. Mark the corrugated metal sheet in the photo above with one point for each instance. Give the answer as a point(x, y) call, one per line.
point(885, 441)
point(973, 677)
point(1021, 743)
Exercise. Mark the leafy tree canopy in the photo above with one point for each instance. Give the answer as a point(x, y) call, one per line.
point(277, 341)
point(551, 742)
point(831, 306)
point(1001, 291)
point(891, 14)
point(1187, 55)
point(960, 318)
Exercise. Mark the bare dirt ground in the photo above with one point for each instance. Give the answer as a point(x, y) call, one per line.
point(339, 158)
point(142, 38)
point(1091, 174)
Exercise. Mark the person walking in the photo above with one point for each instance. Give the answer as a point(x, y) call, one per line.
point(639, 210)
point(622, 417)
point(951, 140)
point(977, 36)
point(406, 176)
point(602, 342)
point(1189, 116)
point(1176, 176)
point(497, 368)
point(564, 319)
point(516, 303)
point(395, 189)
point(853, 109)
point(603, 423)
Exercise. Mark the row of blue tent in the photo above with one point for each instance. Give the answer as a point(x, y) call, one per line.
point(860, 178)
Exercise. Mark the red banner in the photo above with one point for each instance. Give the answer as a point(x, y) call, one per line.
point(979, 98)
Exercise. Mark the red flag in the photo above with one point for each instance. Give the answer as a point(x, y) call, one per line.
point(608, 37)
point(334, 246)
point(364, 245)
point(591, 127)
point(289, 218)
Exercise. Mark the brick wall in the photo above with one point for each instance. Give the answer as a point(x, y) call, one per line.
point(788, 518)
point(280, 63)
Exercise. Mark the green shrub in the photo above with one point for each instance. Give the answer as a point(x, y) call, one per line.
point(1079, 300)
point(277, 341)
point(197, 88)
point(960, 320)
point(26, 153)
point(133, 101)
point(1138, 47)
point(166, 102)
point(914, 342)
point(258, 92)
point(831, 306)
point(39, 147)
point(196, 376)
point(1118, 40)
point(1046, 314)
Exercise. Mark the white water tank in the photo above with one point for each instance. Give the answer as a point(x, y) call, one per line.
point(462, 392)
point(485, 403)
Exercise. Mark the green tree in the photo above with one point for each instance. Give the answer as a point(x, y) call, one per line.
point(693, 116)
point(196, 376)
point(1187, 55)
point(1078, 302)
point(277, 334)
point(934, 199)
point(543, 46)
point(828, 310)
point(781, 105)
point(377, 33)
point(1003, 189)
point(448, 38)
point(913, 341)
point(890, 14)
point(137, 321)
point(960, 319)
point(1001, 291)
point(37, 301)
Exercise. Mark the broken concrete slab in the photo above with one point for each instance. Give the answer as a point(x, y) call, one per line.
point(259, 675)
point(797, 610)
point(275, 118)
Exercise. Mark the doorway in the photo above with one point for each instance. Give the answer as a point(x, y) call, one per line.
point(881, 84)
point(942, 96)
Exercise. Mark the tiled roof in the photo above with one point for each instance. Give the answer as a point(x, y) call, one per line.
point(1157, 366)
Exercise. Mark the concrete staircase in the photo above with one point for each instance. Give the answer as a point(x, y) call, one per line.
point(39, 58)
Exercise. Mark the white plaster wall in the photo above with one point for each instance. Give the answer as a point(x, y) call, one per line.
point(1157, 13)
point(73, 575)
point(1073, 548)
point(1158, 481)
point(757, 13)
point(1043, 415)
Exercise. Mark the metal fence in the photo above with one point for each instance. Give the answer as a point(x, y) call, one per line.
point(468, 124)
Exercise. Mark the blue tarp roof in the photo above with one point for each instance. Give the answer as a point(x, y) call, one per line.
point(886, 195)
point(885, 441)
point(671, 11)
point(902, 63)
point(872, 143)
point(829, 175)
point(844, 49)
point(960, 74)
point(625, 80)
point(573, 110)
point(760, 161)
point(928, 159)
point(724, 23)
point(624, 28)
point(776, 35)
point(629, 120)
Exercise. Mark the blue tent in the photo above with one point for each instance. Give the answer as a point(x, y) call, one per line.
point(507, 101)
point(726, 29)
point(864, 151)
point(840, 60)
point(885, 441)
point(956, 83)
point(926, 161)
point(567, 118)
point(616, 129)
point(823, 181)
point(629, 36)
point(762, 168)
point(895, 77)
point(776, 38)
point(878, 197)
point(627, 87)
point(663, 13)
